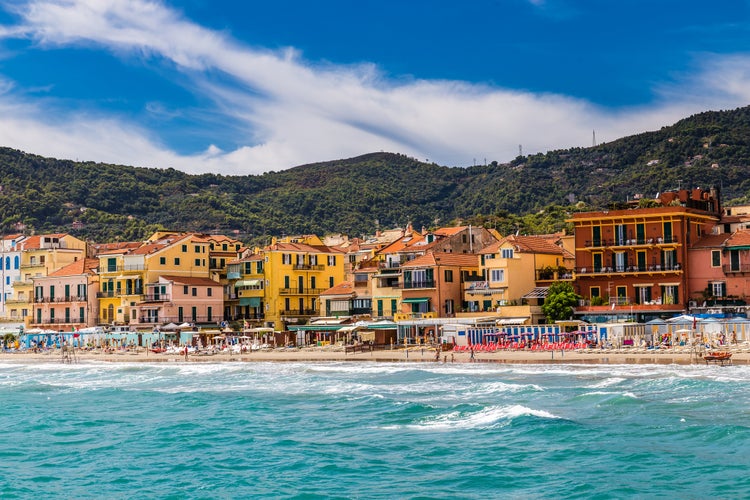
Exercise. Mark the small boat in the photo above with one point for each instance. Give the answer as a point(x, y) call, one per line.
point(718, 357)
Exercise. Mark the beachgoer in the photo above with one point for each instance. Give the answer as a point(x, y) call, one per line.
point(471, 357)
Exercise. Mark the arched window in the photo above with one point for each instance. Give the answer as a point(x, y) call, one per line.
point(17, 262)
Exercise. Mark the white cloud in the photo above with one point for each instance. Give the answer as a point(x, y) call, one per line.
point(292, 112)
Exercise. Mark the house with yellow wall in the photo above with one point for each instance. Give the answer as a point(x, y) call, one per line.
point(297, 270)
point(127, 272)
point(516, 272)
point(40, 256)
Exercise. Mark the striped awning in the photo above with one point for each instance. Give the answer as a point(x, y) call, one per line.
point(539, 292)
point(243, 283)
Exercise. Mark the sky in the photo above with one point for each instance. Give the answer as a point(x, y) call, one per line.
point(240, 87)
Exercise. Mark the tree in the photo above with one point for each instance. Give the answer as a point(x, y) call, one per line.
point(561, 297)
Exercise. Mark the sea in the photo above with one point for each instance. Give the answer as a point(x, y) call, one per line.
point(373, 430)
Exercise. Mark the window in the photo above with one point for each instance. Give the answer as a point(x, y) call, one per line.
point(176, 261)
point(111, 265)
point(330, 282)
point(186, 289)
point(331, 260)
point(197, 263)
point(162, 261)
point(197, 249)
point(595, 291)
point(184, 248)
point(621, 261)
point(643, 294)
point(81, 314)
point(506, 253)
point(195, 291)
point(209, 292)
point(719, 289)
point(449, 276)
point(497, 275)
point(669, 294)
point(620, 234)
point(209, 313)
point(715, 258)
point(194, 314)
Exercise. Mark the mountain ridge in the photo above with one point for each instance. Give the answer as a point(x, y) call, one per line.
point(357, 195)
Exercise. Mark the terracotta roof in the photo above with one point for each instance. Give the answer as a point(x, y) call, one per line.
point(526, 244)
point(155, 246)
point(739, 239)
point(300, 247)
point(78, 267)
point(449, 231)
point(188, 280)
point(712, 240)
point(444, 259)
point(344, 288)
point(115, 248)
point(250, 258)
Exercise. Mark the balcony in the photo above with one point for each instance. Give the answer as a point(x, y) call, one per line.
point(41, 300)
point(553, 274)
point(118, 293)
point(300, 312)
point(631, 242)
point(736, 268)
point(608, 270)
point(123, 269)
point(301, 291)
point(408, 285)
point(156, 298)
point(309, 267)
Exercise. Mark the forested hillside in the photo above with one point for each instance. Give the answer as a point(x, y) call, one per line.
point(355, 196)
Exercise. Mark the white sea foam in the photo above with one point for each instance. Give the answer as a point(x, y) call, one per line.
point(487, 418)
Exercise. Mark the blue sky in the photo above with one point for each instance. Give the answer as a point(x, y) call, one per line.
point(244, 87)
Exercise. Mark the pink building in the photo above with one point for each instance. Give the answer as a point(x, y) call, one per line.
point(181, 299)
point(719, 270)
point(66, 298)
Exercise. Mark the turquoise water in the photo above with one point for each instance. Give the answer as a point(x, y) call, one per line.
point(373, 430)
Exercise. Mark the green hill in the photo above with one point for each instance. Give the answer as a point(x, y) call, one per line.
point(531, 194)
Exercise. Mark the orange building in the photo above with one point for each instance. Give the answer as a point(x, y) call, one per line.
point(633, 263)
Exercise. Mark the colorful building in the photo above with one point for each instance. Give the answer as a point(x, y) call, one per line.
point(40, 255)
point(633, 263)
point(65, 300)
point(297, 270)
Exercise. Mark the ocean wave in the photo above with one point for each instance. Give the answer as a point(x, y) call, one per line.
point(487, 418)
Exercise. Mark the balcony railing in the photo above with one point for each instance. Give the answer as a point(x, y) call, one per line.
point(156, 298)
point(59, 321)
point(736, 268)
point(40, 300)
point(119, 269)
point(177, 319)
point(654, 268)
point(301, 291)
point(629, 242)
point(300, 312)
point(309, 267)
point(418, 284)
point(118, 293)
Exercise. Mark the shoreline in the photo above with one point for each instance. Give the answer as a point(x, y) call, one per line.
point(414, 355)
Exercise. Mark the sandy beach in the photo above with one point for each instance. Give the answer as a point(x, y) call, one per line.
point(415, 354)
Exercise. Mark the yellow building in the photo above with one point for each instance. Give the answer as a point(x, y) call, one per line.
point(40, 256)
point(512, 271)
point(126, 271)
point(297, 270)
point(244, 297)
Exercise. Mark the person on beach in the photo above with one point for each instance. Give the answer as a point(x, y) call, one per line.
point(471, 356)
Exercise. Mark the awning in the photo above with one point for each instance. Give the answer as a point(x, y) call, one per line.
point(250, 301)
point(420, 300)
point(511, 321)
point(539, 292)
point(242, 283)
point(315, 328)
